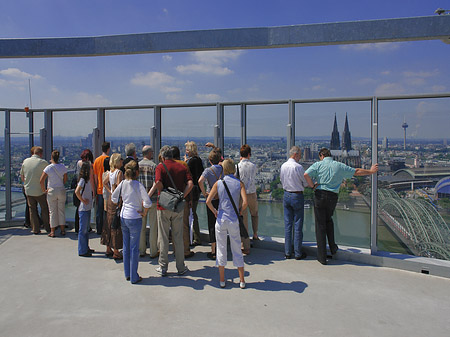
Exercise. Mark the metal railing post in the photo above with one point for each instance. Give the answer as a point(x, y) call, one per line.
point(157, 130)
point(374, 178)
point(47, 142)
point(219, 137)
point(8, 214)
point(290, 128)
point(243, 124)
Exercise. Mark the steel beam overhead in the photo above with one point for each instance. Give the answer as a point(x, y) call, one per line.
point(321, 34)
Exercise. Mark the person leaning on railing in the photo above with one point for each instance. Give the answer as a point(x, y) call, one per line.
point(328, 175)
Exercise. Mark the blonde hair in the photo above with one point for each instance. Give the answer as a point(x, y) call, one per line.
point(192, 148)
point(228, 166)
point(114, 161)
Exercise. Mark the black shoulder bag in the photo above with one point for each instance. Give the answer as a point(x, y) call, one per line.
point(242, 229)
point(116, 224)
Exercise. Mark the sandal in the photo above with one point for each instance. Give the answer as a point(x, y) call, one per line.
point(211, 255)
point(63, 233)
point(117, 257)
point(51, 235)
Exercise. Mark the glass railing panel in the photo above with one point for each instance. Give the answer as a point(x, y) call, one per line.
point(20, 150)
point(194, 124)
point(314, 129)
point(2, 167)
point(72, 134)
point(414, 178)
point(135, 128)
point(266, 135)
point(232, 132)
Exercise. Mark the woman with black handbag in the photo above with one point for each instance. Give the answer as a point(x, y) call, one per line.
point(112, 234)
point(228, 190)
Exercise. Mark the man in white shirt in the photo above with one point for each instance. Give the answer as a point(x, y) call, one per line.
point(30, 174)
point(246, 172)
point(293, 181)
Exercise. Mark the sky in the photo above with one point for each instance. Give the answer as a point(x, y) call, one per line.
point(224, 76)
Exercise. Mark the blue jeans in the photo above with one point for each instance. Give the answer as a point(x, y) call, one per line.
point(83, 232)
point(131, 230)
point(293, 204)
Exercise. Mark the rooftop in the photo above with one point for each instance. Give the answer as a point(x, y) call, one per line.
point(47, 290)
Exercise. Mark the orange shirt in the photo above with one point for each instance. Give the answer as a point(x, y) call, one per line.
point(98, 171)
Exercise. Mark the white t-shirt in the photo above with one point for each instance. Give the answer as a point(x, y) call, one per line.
point(133, 195)
point(87, 194)
point(55, 173)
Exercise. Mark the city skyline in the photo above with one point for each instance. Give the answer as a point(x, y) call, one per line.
point(236, 75)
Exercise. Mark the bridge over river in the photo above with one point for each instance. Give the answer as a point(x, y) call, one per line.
point(416, 223)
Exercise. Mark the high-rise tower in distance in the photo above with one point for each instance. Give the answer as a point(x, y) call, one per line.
point(404, 126)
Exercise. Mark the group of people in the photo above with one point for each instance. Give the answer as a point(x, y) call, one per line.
point(125, 193)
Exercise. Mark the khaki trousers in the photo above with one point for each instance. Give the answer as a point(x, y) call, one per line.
point(153, 235)
point(32, 204)
point(170, 220)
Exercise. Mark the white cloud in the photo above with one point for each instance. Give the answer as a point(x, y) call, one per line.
point(165, 11)
point(167, 58)
point(421, 74)
point(86, 99)
point(208, 97)
point(204, 69)
point(389, 89)
point(17, 73)
point(210, 62)
point(367, 80)
point(173, 97)
point(379, 47)
point(386, 72)
point(152, 79)
point(317, 87)
point(438, 88)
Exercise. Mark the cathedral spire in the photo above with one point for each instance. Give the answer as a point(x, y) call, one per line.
point(335, 143)
point(346, 136)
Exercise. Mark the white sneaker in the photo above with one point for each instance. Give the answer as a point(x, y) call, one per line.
point(222, 284)
point(161, 271)
point(242, 285)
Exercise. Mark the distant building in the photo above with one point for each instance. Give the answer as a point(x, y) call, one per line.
point(335, 143)
point(396, 164)
point(344, 154)
point(86, 143)
point(442, 188)
point(307, 153)
point(385, 143)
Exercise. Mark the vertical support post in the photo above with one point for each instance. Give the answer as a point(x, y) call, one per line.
point(99, 134)
point(290, 128)
point(8, 213)
point(374, 179)
point(30, 116)
point(243, 124)
point(47, 142)
point(157, 130)
point(218, 136)
point(96, 143)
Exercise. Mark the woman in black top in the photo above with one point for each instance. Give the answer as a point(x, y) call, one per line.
point(196, 167)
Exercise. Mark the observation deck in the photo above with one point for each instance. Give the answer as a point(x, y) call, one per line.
point(47, 290)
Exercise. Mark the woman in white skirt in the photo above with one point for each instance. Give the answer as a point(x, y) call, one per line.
point(56, 193)
point(227, 220)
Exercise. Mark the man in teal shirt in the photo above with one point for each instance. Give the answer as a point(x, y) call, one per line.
point(328, 175)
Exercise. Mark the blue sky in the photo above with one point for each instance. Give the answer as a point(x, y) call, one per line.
point(308, 72)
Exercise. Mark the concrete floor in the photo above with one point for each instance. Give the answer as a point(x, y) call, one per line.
point(47, 290)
